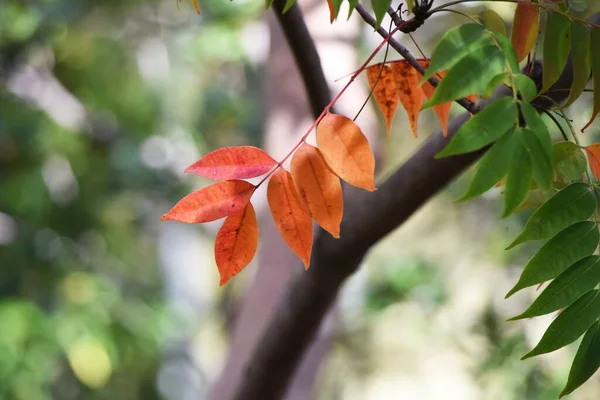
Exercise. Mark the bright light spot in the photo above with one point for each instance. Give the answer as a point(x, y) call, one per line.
point(90, 362)
point(59, 179)
point(79, 288)
point(153, 60)
point(157, 152)
point(256, 41)
point(8, 229)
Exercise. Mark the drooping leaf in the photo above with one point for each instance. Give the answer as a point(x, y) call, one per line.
point(569, 325)
point(347, 151)
point(332, 10)
point(595, 60)
point(380, 8)
point(456, 44)
point(569, 161)
point(493, 166)
point(411, 96)
point(577, 280)
point(484, 128)
point(459, 81)
point(525, 28)
point(587, 360)
point(556, 48)
point(290, 215)
point(492, 21)
point(318, 187)
point(574, 203)
point(212, 202)
point(593, 153)
point(237, 162)
point(236, 243)
point(526, 86)
point(541, 161)
point(565, 248)
point(535, 122)
point(518, 179)
point(580, 60)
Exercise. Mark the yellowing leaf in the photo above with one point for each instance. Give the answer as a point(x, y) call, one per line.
point(212, 202)
point(593, 153)
point(347, 151)
point(236, 243)
point(319, 187)
point(238, 162)
point(385, 91)
point(194, 2)
point(525, 28)
point(291, 218)
point(408, 88)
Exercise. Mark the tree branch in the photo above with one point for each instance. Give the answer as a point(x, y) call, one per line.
point(368, 217)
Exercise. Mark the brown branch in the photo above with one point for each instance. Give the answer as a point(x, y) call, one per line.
point(368, 217)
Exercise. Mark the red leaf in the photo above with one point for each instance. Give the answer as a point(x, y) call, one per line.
point(319, 187)
point(238, 162)
point(236, 243)
point(593, 153)
point(289, 213)
point(347, 151)
point(212, 202)
point(331, 11)
point(525, 28)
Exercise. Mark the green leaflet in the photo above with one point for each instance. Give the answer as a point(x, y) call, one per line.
point(526, 86)
point(508, 49)
point(493, 22)
point(484, 128)
point(556, 48)
point(455, 45)
point(380, 8)
point(574, 203)
point(460, 81)
point(336, 7)
point(493, 166)
point(351, 5)
point(587, 360)
point(535, 122)
point(577, 280)
point(569, 325)
point(569, 161)
point(595, 58)
point(518, 179)
point(503, 78)
point(409, 5)
point(288, 5)
point(580, 53)
point(569, 245)
point(541, 161)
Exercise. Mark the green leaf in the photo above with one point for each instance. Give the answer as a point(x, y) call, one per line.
point(380, 8)
point(569, 161)
point(336, 7)
point(288, 5)
point(526, 86)
point(492, 21)
point(493, 166)
point(351, 6)
point(503, 78)
point(455, 45)
point(535, 122)
point(580, 53)
point(569, 325)
point(595, 58)
point(577, 280)
point(508, 49)
point(410, 5)
point(484, 128)
point(567, 246)
point(574, 203)
point(518, 179)
point(587, 360)
point(541, 161)
point(556, 48)
point(460, 81)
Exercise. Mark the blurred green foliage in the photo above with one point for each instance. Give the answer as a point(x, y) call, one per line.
point(96, 100)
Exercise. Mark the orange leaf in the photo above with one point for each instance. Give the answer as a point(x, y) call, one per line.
point(525, 28)
point(331, 11)
point(385, 91)
point(237, 162)
point(291, 218)
point(347, 151)
point(236, 243)
point(593, 153)
point(319, 187)
point(411, 96)
point(212, 202)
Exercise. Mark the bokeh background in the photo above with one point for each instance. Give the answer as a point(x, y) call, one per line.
point(102, 106)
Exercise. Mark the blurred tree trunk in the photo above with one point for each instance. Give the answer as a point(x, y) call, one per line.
point(288, 116)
